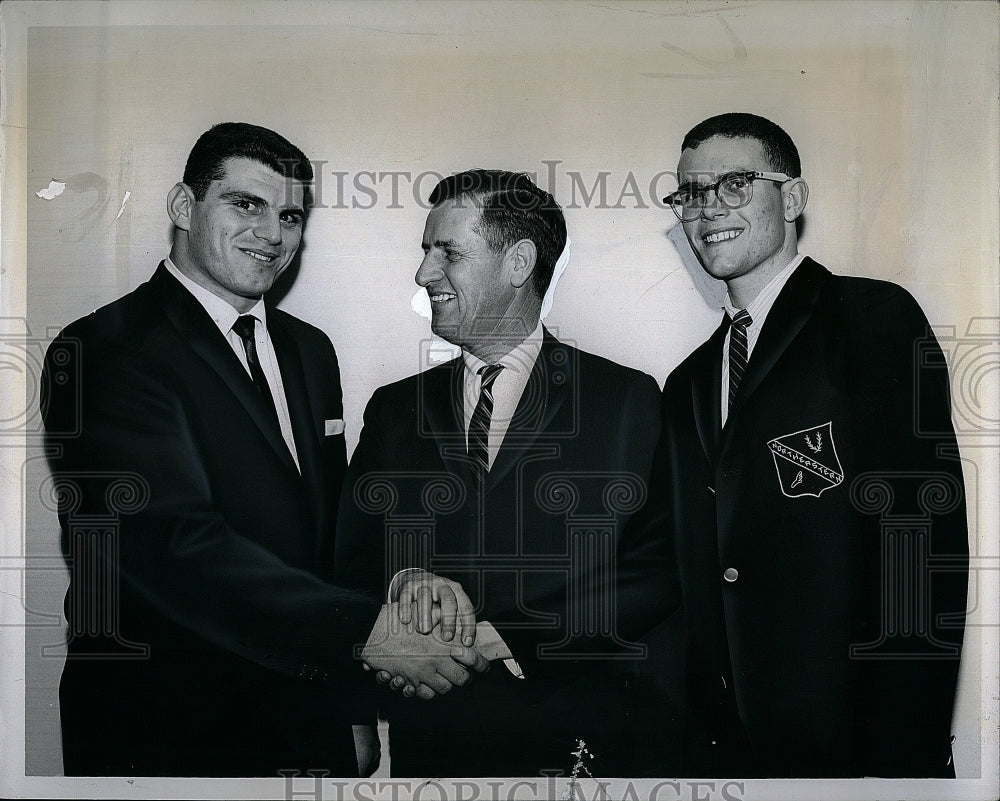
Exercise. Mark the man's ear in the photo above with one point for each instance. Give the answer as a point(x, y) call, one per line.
point(521, 256)
point(180, 201)
point(795, 194)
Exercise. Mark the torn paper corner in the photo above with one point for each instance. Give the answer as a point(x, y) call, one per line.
point(52, 191)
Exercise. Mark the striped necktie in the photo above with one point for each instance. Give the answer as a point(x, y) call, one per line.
point(479, 425)
point(738, 352)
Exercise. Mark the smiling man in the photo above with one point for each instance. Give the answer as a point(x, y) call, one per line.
point(818, 522)
point(197, 446)
point(496, 486)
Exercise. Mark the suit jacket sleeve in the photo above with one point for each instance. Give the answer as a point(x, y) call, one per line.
point(360, 559)
point(905, 432)
point(647, 576)
point(174, 549)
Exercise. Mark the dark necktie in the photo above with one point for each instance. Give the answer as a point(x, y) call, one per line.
point(479, 425)
point(738, 352)
point(244, 328)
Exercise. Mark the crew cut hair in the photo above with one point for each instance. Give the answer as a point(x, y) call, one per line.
point(778, 145)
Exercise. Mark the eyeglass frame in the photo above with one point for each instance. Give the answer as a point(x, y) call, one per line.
point(752, 175)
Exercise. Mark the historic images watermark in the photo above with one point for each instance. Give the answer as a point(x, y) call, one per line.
point(573, 189)
point(316, 787)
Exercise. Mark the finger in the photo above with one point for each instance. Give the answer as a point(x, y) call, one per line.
point(424, 692)
point(425, 608)
point(405, 599)
point(470, 658)
point(454, 673)
point(383, 676)
point(365, 666)
point(466, 620)
point(398, 682)
point(449, 612)
point(438, 683)
point(409, 691)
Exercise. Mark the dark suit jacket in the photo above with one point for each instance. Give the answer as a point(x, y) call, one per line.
point(203, 639)
point(820, 539)
point(533, 546)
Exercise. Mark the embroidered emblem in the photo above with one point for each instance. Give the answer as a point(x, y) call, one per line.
point(807, 462)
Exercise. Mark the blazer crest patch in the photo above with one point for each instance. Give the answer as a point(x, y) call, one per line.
point(807, 461)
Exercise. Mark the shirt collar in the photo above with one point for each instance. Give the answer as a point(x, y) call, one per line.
point(221, 312)
point(761, 305)
point(520, 360)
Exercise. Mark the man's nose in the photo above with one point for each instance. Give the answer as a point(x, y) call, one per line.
point(713, 207)
point(268, 228)
point(428, 271)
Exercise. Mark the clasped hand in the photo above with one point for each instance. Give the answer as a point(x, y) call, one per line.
point(425, 664)
point(436, 598)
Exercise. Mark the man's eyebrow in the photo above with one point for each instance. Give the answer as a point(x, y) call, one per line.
point(711, 179)
point(691, 185)
point(237, 194)
point(440, 243)
point(250, 197)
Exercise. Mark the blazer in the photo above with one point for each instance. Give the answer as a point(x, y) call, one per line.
point(204, 639)
point(820, 539)
point(533, 545)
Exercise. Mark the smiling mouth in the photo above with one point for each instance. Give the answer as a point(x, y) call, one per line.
point(721, 236)
point(263, 258)
point(441, 297)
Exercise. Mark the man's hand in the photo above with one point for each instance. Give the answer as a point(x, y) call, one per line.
point(427, 663)
point(430, 591)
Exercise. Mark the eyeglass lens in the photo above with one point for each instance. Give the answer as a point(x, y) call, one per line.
point(733, 191)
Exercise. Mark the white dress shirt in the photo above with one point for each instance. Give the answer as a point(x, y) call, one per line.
point(224, 315)
point(507, 387)
point(758, 310)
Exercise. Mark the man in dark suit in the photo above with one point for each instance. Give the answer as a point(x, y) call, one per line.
point(196, 441)
point(500, 482)
point(809, 479)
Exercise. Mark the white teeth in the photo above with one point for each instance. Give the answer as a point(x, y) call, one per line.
point(442, 297)
point(722, 236)
point(260, 256)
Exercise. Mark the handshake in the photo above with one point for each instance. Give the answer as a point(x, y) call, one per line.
point(426, 640)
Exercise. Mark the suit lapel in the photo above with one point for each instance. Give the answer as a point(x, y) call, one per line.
point(551, 382)
point(440, 397)
point(706, 390)
point(791, 310)
point(200, 334)
point(300, 410)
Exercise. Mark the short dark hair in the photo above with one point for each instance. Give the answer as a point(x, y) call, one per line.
point(227, 140)
point(778, 145)
point(513, 208)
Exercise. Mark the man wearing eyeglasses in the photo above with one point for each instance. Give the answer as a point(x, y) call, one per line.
point(816, 499)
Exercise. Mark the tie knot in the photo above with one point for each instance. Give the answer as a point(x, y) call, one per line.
point(489, 373)
point(245, 325)
point(742, 318)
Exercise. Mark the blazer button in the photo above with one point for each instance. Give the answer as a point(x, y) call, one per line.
point(731, 574)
